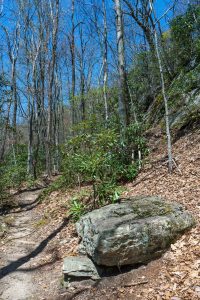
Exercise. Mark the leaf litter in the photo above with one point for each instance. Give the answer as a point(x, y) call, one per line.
point(175, 276)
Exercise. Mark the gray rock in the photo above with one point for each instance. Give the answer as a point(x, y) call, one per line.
point(3, 228)
point(77, 268)
point(134, 231)
point(190, 104)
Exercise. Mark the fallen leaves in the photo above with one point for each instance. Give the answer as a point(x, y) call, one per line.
point(179, 278)
point(176, 276)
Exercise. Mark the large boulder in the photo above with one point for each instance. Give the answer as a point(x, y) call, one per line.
point(134, 231)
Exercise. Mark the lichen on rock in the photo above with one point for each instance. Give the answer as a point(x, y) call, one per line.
point(134, 231)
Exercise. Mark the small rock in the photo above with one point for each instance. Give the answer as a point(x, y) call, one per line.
point(77, 268)
point(197, 289)
point(3, 229)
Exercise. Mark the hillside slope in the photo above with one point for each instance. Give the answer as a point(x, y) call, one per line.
point(175, 275)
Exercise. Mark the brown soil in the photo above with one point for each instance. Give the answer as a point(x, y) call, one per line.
point(17, 250)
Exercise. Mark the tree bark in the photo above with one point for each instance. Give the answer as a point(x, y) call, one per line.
point(72, 49)
point(169, 145)
point(105, 63)
point(123, 87)
point(49, 141)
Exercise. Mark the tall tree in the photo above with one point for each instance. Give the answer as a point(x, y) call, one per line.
point(13, 50)
point(54, 18)
point(123, 86)
point(141, 13)
point(72, 51)
point(165, 98)
point(105, 60)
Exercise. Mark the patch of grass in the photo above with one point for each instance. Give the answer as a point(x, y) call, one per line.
point(41, 222)
point(77, 209)
point(9, 220)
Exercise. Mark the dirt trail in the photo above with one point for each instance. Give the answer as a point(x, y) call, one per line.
point(17, 282)
point(42, 235)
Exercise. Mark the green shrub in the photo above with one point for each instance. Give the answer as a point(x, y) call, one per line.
point(12, 172)
point(107, 192)
point(185, 37)
point(102, 159)
point(77, 209)
point(58, 184)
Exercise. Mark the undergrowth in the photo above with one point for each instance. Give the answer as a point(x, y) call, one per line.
point(103, 161)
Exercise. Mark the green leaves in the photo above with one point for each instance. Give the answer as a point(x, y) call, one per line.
point(77, 209)
point(108, 192)
point(185, 37)
point(100, 158)
point(11, 174)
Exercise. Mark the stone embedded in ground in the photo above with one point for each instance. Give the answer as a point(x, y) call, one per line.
point(3, 228)
point(134, 231)
point(77, 268)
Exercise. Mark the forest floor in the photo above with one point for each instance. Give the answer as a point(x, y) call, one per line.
point(41, 235)
point(18, 249)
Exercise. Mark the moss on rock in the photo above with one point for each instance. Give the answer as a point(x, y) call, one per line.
point(133, 231)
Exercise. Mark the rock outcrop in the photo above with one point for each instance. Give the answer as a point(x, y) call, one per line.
point(134, 231)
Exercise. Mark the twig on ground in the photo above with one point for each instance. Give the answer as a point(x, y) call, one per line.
point(135, 283)
point(177, 166)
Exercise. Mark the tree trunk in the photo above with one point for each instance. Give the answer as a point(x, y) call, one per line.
point(49, 140)
point(82, 96)
point(14, 96)
point(5, 132)
point(82, 75)
point(30, 168)
point(105, 63)
point(169, 145)
point(123, 87)
point(72, 48)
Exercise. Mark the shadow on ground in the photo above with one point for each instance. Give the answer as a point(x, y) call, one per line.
point(27, 206)
point(12, 204)
point(13, 266)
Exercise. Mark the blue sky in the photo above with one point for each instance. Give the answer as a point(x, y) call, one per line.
point(10, 17)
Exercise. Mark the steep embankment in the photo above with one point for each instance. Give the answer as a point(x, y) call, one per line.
point(176, 275)
point(183, 99)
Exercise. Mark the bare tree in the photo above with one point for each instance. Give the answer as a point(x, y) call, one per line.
point(81, 56)
point(5, 131)
point(71, 38)
point(51, 70)
point(105, 60)
point(141, 13)
point(169, 144)
point(13, 50)
point(123, 86)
